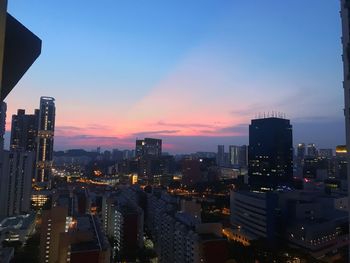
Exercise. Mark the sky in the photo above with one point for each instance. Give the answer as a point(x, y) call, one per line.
point(191, 72)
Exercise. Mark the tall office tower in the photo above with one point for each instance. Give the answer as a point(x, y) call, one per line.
point(270, 152)
point(16, 182)
point(24, 130)
point(45, 140)
point(311, 150)
point(3, 108)
point(220, 158)
point(148, 147)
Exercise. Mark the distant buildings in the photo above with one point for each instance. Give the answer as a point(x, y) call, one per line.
point(45, 140)
point(238, 156)
point(270, 152)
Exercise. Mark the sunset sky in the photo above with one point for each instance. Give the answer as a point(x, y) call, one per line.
point(192, 72)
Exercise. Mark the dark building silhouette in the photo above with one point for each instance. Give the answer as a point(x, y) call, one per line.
point(191, 171)
point(270, 152)
point(221, 155)
point(21, 49)
point(148, 153)
point(148, 147)
point(24, 130)
point(45, 140)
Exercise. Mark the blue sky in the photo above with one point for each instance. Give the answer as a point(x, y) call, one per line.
point(120, 69)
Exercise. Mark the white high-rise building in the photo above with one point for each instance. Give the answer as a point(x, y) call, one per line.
point(45, 140)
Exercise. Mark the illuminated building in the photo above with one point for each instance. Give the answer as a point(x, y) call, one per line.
point(179, 236)
point(341, 150)
point(254, 213)
point(123, 220)
point(270, 152)
point(16, 182)
point(17, 228)
point(148, 147)
point(24, 129)
point(53, 223)
point(65, 237)
point(134, 178)
point(45, 140)
point(341, 162)
point(39, 198)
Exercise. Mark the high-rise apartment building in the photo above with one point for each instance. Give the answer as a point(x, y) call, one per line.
point(220, 157)
point(45, 140)
point(16, 182)
point(270, 152)
point(24, 131)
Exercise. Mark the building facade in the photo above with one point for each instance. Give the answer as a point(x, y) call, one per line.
point(270, 152)
point(16, 182)
point(45, 140)
point(24, 131)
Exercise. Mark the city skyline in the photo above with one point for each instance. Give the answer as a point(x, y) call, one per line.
point(213, 67)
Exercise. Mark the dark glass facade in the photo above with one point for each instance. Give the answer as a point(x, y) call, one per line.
point(270, 152)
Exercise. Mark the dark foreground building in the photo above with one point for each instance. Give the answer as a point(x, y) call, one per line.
point(270, 152)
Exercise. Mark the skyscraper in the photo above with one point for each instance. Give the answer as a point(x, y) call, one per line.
point(270, 152)
point(24, 130)
point(45, 140)
point(221, 155)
